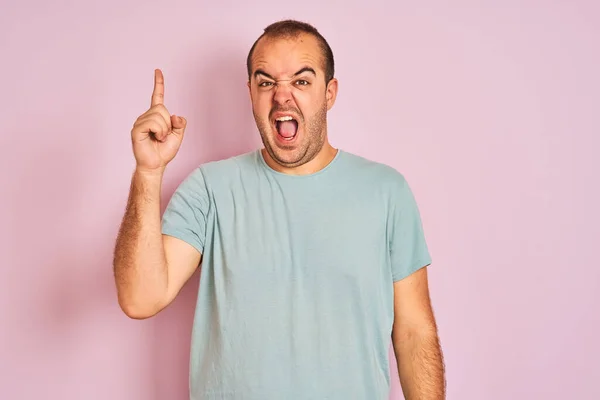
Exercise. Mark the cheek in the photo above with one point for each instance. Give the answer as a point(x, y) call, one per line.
point(309, 102)
point(262, 104)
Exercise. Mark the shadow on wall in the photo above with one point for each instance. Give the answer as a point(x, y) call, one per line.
point(224, 127)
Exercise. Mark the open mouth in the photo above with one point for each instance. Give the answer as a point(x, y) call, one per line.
point(287, 127)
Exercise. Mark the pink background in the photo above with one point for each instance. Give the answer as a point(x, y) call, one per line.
point(491, 109)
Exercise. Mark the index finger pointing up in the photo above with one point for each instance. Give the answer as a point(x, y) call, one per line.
point(158, 95)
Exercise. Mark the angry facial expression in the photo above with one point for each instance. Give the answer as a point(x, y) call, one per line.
point(290, 98)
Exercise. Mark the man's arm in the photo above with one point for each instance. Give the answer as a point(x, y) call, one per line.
point(415, 339)
point(150, 268)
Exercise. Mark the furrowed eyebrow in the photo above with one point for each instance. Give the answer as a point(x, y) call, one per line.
point(261, 72)
point(306, 69)
point(301, 71)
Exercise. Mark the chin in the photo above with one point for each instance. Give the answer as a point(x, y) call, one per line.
point(286, 156)
point(287, 152)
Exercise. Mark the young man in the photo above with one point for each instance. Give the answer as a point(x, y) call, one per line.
point(311, 258)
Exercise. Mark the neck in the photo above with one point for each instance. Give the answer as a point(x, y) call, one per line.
point(320, 161)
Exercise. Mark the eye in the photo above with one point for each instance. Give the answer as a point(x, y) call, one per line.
point(265, 84)
point(302, 82)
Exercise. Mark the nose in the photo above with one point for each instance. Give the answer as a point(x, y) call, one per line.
point(282, 93)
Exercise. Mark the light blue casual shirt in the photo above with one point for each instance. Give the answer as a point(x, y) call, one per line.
point(296, 287)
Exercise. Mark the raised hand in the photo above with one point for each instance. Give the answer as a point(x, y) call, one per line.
point(156, 135)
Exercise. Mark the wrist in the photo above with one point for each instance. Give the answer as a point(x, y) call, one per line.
point(154, 173)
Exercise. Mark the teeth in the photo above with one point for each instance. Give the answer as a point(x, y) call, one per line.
point(286, 118)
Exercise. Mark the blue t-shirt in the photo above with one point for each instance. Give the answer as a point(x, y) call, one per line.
point(296, 285)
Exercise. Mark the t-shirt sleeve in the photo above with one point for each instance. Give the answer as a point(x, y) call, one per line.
point(186, 213)
point(408, 247)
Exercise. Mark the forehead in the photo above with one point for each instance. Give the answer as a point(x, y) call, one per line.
point(285, 56)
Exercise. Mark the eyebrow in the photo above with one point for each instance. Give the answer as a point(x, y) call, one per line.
point(301, 71)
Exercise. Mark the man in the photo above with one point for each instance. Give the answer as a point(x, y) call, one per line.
point(311, 258)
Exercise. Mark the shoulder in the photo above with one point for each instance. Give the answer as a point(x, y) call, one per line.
point(373, 172)
point(210, 173)
point(207, 174)
point(228, 166)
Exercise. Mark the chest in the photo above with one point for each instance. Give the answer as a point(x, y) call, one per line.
point(313, 235)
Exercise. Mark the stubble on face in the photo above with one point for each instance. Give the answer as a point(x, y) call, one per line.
point(312, 130)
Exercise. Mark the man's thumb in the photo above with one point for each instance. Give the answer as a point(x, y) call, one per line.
point(178, 123)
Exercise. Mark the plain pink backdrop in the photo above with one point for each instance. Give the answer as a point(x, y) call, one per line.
point(490, 108)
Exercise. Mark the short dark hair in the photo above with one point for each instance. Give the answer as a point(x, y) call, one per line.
point(290, 28)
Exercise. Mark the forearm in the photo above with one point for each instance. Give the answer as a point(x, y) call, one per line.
point(420, 366)
point(139, 260)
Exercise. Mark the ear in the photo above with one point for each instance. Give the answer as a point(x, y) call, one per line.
point(249, 89)
point(331, 92)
